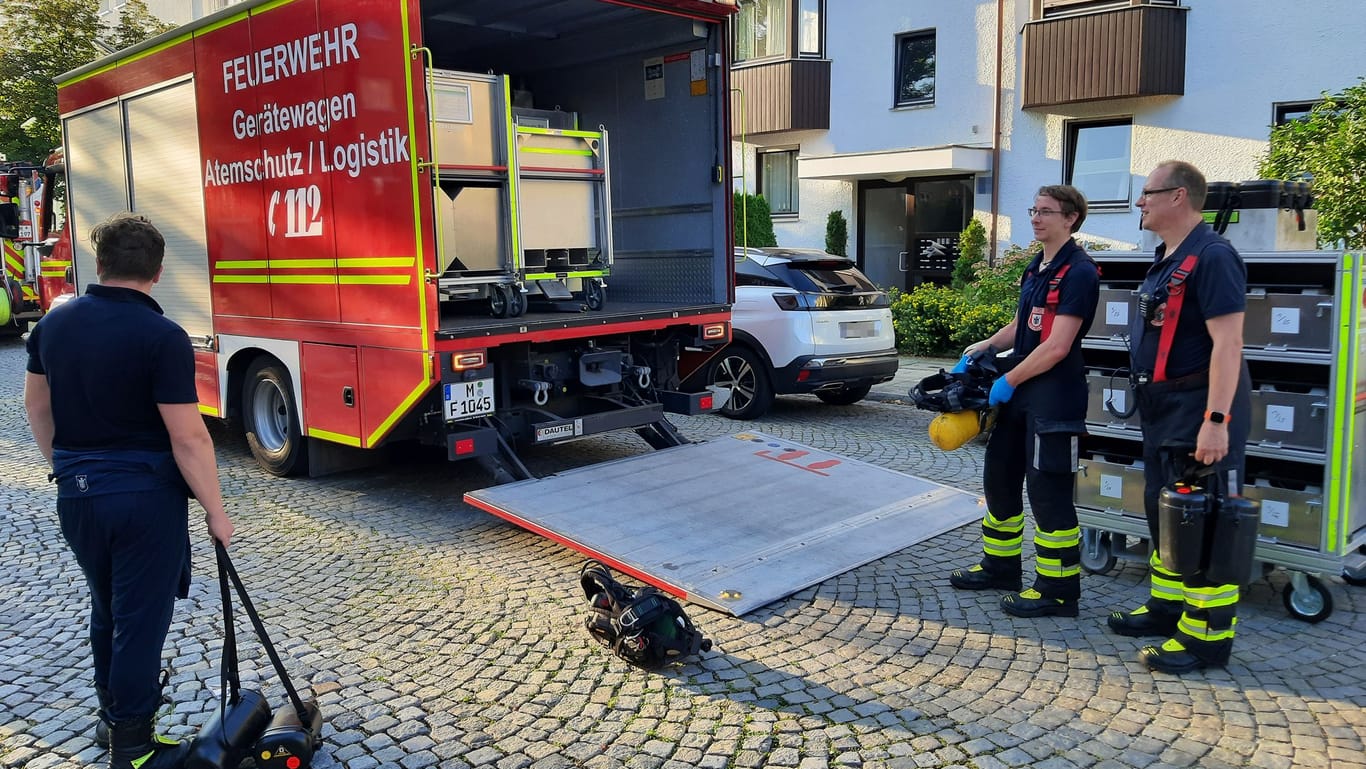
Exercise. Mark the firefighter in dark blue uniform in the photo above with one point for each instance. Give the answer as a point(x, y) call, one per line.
point(1193, 389)
point(110, 395)
point(1042, 411)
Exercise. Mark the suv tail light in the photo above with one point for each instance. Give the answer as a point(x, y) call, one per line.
point(808, 301)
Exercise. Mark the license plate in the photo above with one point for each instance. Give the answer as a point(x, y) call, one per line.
point(858, 329)
point(469, 399)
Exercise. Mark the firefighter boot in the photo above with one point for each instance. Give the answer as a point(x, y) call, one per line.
point(1000, 565)
point(1031, 603)
point(1182, 654)
point(1158, 616)
point(102, 720)
point(135, 745)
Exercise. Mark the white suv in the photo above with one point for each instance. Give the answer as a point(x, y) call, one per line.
point(805, 321)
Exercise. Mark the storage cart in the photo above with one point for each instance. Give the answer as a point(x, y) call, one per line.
point(1303, 335)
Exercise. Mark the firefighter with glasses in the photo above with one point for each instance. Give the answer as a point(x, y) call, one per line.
point(1193, 390)
point(1042, 410)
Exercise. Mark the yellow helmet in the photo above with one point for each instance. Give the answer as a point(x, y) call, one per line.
point(951, 430)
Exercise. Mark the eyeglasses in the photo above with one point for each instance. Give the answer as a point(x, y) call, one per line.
point(1150, 193)
point(1042, 212)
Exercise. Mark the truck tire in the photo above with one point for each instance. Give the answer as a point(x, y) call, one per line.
point(744, 373)
point(271, 419)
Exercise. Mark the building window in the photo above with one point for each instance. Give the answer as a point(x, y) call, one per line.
point(810, 26)
point(915, 68)
point(778, 181)
point(761, 29)
point(1290, 111)
point(1098, 161)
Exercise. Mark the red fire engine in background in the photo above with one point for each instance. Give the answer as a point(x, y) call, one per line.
point(36, 248)
point(396, 219)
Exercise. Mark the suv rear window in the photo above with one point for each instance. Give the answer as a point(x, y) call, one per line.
point(835, 276)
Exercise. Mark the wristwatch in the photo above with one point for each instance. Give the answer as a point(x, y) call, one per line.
point(1217, 417)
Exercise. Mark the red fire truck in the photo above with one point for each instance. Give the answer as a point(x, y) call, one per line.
point(36, 252)
point(395, 219)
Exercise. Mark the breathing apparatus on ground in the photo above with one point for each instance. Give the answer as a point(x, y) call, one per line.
point(961, 396)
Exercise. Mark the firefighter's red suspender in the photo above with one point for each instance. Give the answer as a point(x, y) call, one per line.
point(1051, 302)
point(1176, 294)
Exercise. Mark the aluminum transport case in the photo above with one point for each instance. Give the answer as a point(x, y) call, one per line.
point(1303, 335)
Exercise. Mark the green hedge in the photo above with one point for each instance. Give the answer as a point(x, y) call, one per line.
point(760, 218)
point(939, 320)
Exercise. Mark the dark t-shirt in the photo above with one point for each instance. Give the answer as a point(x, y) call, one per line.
point(1078, 294)
point(110, 357)
point(1217, 286)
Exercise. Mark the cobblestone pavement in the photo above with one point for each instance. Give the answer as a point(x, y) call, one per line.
point(438, 636)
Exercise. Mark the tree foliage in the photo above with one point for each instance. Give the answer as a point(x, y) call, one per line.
point(837, 233)
point(754, 210)
point(1329, 146)
point(42, 39)
point(972, 250)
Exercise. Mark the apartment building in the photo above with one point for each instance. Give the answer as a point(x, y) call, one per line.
point(913, 116)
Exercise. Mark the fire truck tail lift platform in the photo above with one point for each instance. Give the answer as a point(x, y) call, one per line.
point(398, 219)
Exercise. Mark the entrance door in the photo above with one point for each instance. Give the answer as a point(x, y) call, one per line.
point(908, 231)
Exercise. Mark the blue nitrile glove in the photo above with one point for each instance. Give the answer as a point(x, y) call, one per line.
point(1000, 392)
point(961, 367)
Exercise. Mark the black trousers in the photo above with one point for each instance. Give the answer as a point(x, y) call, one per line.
point(1027, 450)
point(1172, 415)
point(133, 549)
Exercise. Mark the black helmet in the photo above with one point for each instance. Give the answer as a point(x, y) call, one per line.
point(967, 391)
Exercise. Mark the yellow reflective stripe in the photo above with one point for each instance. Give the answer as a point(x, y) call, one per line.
point(208, 410)
point(402, 409)
point(1053, 567)
point(309, 280)
point(53, 273)
point(88, 75)
point(1015, 542)
point(1211, 600)
point(1341, 446)
point(1163, 591)
point(555, 275)
point(374, 280)
point(285, 264)
point(241, 264)
point(559, 132)
point(377, 261)
point(15, 265)
point(240, 279)
point(514, 215)
point(555, 151)
point(1201, 631)
point(29, 293)
point(1014, 523)
point(1057, 539)
point(220, 24)
point(1002, 552)
point(54, 263)
point(349, 440)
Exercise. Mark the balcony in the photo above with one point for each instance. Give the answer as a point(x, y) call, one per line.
point(780, 95)
point(1137, 49)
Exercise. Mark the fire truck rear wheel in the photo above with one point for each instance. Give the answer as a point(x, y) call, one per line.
point(271, 419)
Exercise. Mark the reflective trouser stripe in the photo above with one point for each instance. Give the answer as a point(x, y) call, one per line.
point(1211, 612)
point(1058, 553)
point(1166, 586)
point(1201, 631)
point(1003, 539)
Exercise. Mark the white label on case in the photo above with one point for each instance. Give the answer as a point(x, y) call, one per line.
point(1116, 313)
point(1115, 397)
point(1280, 418)
point(1285, 320)
point(1275, 513)
point(1111, 486)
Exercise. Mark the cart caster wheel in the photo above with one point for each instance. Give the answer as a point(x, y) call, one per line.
point(1311, 605)
point(594, 294)
point(516, 302)
point(1096, 555)
point(1354, 576)
point(499, 299)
